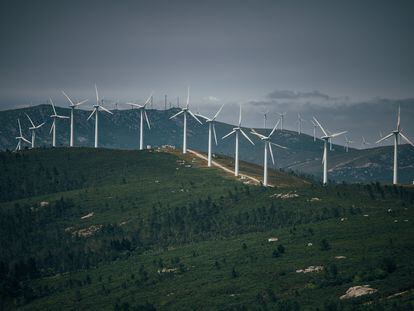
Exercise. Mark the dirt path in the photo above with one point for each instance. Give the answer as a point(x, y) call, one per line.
point(227, 170)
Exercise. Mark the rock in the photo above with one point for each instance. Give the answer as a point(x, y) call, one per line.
point(310, 244)
point(310, 269)
point(273, 239)
point(358, 291)
point(44, 204)
point(87, 216)
point(340, 257)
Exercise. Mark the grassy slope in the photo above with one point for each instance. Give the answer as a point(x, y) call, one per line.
point(136, 181)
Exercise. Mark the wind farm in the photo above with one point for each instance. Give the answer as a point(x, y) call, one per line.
point(282, 179)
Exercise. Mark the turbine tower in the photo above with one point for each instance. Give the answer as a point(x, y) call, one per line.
point(396, 133)
point(211, 128)
point(185, 110)
point(143, 113)
point(267, 145)
point(72, 106)
point(265, 112)
point(347, 143)
point(54, 116)
point(96, 112)
point(20, 139)
point(33, 129)
point(282, 117)
point(236, 131)
point(326, 138)
point(299, 122)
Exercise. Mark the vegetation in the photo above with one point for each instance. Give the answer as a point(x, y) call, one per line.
point(127, 230)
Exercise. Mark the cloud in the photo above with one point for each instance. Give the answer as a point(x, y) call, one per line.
point(211, 99)
point(298, 95)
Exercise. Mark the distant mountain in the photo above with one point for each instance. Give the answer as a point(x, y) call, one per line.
point(121, 131)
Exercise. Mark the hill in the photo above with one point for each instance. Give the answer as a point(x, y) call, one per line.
point(155, 230)
point(120, 131)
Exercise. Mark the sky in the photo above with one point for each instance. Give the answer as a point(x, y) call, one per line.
point(266, 55)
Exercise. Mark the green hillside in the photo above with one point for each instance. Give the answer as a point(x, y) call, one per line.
point(127, 230)
point(120, 131)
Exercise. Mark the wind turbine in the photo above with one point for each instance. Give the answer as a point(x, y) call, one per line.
point(96, 112)
point(20, 138)
point(396, 133)
point(143, 113)
point(55, 116)
point(299, 122)
point(282, 117)
point(364, 142)
point(267, 145)
point(72, 106)
point(236, 131)
point(314, 130)
point(265, 112)
point(33, 129)
point(326, 138)
point(185, 110)
point(347, 143)
point(211, 128)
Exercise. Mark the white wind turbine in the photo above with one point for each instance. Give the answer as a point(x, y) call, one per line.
point(282, 117)
point(265, 112)
point(20, 139)
point(299, 122)
point(185, 110)
point(267, 145)
point(211, 128)
point(143, 114)
point(96, 112)
point(72, 106)
point(347, 143)
point(33, 129)
point(364, 142)
point(236, 131)
point(54, 116)
point(326, 138)
point(396, 133)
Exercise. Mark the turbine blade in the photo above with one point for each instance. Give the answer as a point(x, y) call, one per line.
point(90, 116)
point(30, 119)
point(247, 137)
point(53, 106)
point(82, 102)
point(274, 129)
point(320, 126)
point(406, 139)
point(214, 132)
point(40, 125)
point(338, 134)
point(218, 112)
point(62, 117)
point(257, 134)
point(240, 119)
point(146, 118)
point(177, 114)
point(188, 96)
point(204, 117)
point(192, 114)
point(271, 153)
point(232, 132)
point(71, 102)
point(384, 138)
point(53, 126)
point(399, 118)
point(97, 95)
point(25, 140)
point(20, 128)
point(148, 100)
point(104, 109)
point(280, 146)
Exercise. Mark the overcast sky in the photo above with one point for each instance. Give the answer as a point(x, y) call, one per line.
point(259, 53)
